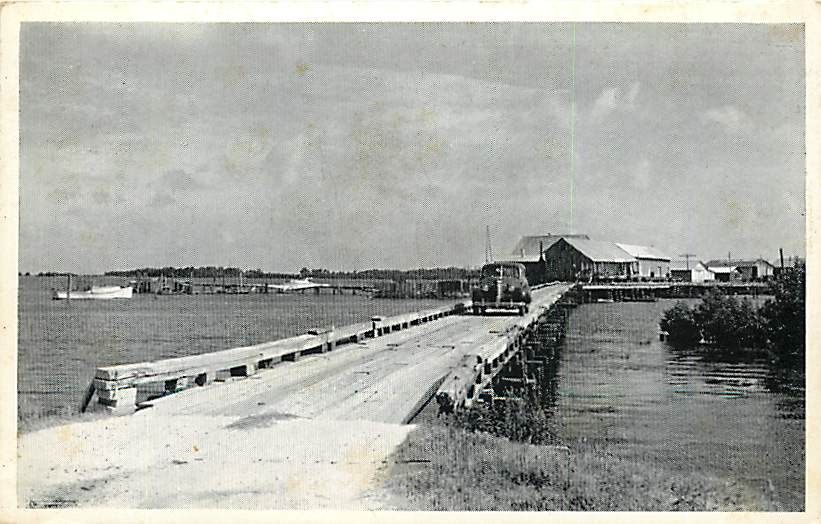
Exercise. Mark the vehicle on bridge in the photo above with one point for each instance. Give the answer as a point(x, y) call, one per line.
point(502, 285)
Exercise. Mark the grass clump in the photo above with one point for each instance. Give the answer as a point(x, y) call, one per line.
point(442, 466)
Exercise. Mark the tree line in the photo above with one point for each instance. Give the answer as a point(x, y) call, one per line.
point(447, 273)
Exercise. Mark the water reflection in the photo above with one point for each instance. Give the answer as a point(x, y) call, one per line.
point(691, 372)
point(733, 374)
point(725, 414)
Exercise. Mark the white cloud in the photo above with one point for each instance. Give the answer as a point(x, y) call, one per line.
point(606, 101)
point(616, 98)
point(731, 117)
point(642, 174)
point(632, 94)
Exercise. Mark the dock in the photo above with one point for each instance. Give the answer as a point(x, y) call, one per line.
point(651, 291)
point(193, 417)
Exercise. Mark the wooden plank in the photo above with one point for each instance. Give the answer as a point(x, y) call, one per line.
point(494, 349)
point(219, 359)
point(346, 333)
point(459, 381)
point(423, 400)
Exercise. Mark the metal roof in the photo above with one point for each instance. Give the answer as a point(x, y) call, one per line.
point(506, 263)
point(600, 250)
point(643, 252)
point(527, 249)
point(736, 263)
point(721, 269)
point(681, 265)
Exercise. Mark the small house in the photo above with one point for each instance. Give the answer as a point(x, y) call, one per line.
point(748, 270)
point(724, 273)
point(758, 269)
point(652, 263)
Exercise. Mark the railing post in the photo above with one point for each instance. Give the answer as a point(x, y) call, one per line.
point(118, 401)
point(376, 323)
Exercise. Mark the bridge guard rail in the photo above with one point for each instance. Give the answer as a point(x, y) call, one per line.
point(117, 387)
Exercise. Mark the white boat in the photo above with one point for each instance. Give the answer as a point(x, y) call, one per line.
point(96, 293)
point(297, 284)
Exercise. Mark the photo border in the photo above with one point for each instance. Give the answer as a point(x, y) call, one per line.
point(12, 14)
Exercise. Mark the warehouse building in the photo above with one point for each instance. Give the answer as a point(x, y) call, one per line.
point(582, 259)
point(529, 252)
point(530, 247)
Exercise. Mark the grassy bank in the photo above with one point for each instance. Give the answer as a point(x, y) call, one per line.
point(442, 466)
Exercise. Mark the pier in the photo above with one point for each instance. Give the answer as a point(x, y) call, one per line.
point(214, 286)
point(651, 291)
point(372, 378)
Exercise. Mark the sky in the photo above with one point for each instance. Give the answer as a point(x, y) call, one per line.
point(354, 146)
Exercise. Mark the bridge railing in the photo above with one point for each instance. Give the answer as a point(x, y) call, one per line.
point(463, 385)
point(117, 387)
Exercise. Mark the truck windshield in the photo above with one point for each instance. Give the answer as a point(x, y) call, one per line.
point(500, 271)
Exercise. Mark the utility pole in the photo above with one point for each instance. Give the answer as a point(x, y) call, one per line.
point(687, 258)
point(781, 255)
point(488, 246)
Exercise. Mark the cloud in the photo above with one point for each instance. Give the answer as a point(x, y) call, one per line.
point(616, 98)
point(180, 180)
point(632, 94)
point(606, 101)
point(642, 174)
point(730, 117)
point(410, 137)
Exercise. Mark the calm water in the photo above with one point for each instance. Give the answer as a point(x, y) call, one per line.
point(61, 344)
point(679, 410)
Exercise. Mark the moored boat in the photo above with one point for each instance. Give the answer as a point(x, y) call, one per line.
point(96, 293)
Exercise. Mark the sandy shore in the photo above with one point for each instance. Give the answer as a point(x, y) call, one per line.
point(148, 461)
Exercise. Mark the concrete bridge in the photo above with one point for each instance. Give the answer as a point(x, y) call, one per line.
point(304, 422)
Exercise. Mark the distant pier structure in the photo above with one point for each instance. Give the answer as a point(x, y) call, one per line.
point(237, 285)
point(651, 291)
point(163, 285)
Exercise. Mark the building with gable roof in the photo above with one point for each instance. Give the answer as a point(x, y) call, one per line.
point(582, 259)
point(758, 269)
point(694, 271)
point(531, 247)
point(652, 263)
point(529, 252)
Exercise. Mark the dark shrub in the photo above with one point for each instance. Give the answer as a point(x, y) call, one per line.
point(679, 322)
point(782, 318)
point(726, 322)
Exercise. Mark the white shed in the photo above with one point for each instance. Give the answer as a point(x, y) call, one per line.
point(695, 271)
